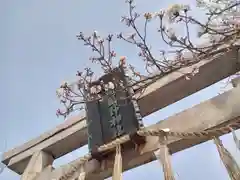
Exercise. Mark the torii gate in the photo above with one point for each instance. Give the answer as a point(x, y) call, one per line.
point(34, 159)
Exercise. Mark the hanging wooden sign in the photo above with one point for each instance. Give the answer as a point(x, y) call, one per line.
point(113, 112)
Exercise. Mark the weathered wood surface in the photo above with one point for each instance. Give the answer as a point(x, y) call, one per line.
point(38, 162)
point(167, 90)
point(213, 113)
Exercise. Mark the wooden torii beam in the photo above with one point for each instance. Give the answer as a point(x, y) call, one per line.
point(167, 90)
point(214, 113)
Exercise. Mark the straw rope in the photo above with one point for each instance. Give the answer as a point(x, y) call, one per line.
point(153, 132)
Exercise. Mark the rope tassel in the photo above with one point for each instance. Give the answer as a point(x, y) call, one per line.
point(82, 175)
point(117, 169)
point(163, 155)
point(236, 140)
point(228, 160)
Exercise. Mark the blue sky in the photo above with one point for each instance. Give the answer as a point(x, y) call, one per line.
point(38, 50)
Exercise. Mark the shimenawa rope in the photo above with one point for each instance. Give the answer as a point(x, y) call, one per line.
point(154, 132)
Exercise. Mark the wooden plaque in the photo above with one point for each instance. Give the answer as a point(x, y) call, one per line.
point(114, 114)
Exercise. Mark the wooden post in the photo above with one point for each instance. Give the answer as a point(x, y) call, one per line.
point(36, 165)
point(45, 174)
